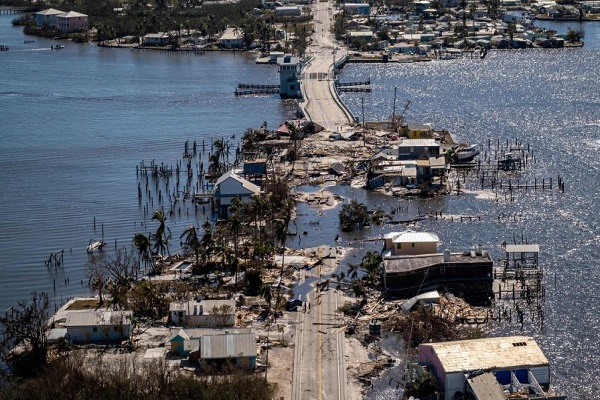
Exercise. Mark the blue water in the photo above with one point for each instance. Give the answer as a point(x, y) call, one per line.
point(74, 123)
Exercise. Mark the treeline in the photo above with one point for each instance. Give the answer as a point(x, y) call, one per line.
point(114, 19)
point(74, 377)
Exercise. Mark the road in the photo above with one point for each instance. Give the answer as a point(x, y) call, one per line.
point(319, 355)
point(321, 104)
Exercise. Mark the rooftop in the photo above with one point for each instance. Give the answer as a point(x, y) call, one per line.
point(488, 354)
point(405, 264)
point(98, 318)
point(227, 346)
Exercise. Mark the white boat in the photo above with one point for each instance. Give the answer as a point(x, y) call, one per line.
point(466, 153)
point(57, 47)
point(95, 245)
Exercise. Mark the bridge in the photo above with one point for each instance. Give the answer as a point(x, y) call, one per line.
point(321, 103)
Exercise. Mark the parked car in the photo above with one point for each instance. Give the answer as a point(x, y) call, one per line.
point(292, 305)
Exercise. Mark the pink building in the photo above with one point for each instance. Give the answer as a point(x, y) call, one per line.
point(71, 21)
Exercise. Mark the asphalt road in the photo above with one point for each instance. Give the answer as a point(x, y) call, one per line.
point(319, 355)
point(320, 101)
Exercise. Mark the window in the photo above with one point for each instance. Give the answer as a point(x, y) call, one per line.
point(443, 269)
point(95, 329)
point(413, 245)
point(115, 329)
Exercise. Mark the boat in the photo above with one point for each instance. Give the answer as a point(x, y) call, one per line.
point(4, 47)
point(95, 245)
point(57, 47)
point(28, 41)
point(466, 153)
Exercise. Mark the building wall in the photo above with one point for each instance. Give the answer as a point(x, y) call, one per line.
point(72, 24)
point(230, 188)
point(415, 248)
point(89, 334)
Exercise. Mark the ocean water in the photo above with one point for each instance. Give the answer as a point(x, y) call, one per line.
point(74, 123)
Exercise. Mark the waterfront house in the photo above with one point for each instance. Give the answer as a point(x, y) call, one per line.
point(156, 39)
point(97, 326)
point(412, 149)
point(466, 274)
point(417, 131)
point(490, 368)
point(230, 185)
point(47, 17)
point(232, 38)
point(289, 76)
point(410, 242)
point(71, 22)
point(203, 314)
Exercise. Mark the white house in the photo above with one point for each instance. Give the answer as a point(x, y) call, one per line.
point(203, 314)
point(230, 185)
point(410, 242)
point(232, 38)
point(156, 39)
point(98, 326)
point(515, 360)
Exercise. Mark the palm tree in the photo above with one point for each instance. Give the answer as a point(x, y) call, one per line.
point(266, 292)
point(191, 241)
point(144, 247)
point(207, 243)
point(163, 233)
point(295, 136)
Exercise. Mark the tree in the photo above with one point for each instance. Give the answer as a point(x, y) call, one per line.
point(144, 247)
point(163, 233)
point(266, 292)
point(27, 328)
point(116, 273)
point(574, 35)
point(191, 241)
point(353, 216)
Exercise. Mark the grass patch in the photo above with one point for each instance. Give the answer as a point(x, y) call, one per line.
point(87, 304)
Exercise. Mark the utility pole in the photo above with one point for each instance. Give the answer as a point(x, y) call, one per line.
point(394, 110)
point(362, 105)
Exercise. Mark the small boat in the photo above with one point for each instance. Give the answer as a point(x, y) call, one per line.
point(95, 245)
point(57, 47)
point(466, 153)
point(4, 47)
point(28, 41)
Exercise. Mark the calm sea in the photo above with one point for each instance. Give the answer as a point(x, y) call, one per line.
point(75, 122)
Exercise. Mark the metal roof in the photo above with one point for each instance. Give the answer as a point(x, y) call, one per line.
point(50, 11)
point(227, 346)
point(488, 354)
point(522, 248)
point(206, 305)
point(98, 318)
point(419, 143)
point(246, 184)
point(411, 236)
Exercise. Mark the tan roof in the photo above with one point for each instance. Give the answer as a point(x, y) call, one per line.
point(486, 387)
point(71, 14)
point(488, 354)
point(50, 11)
